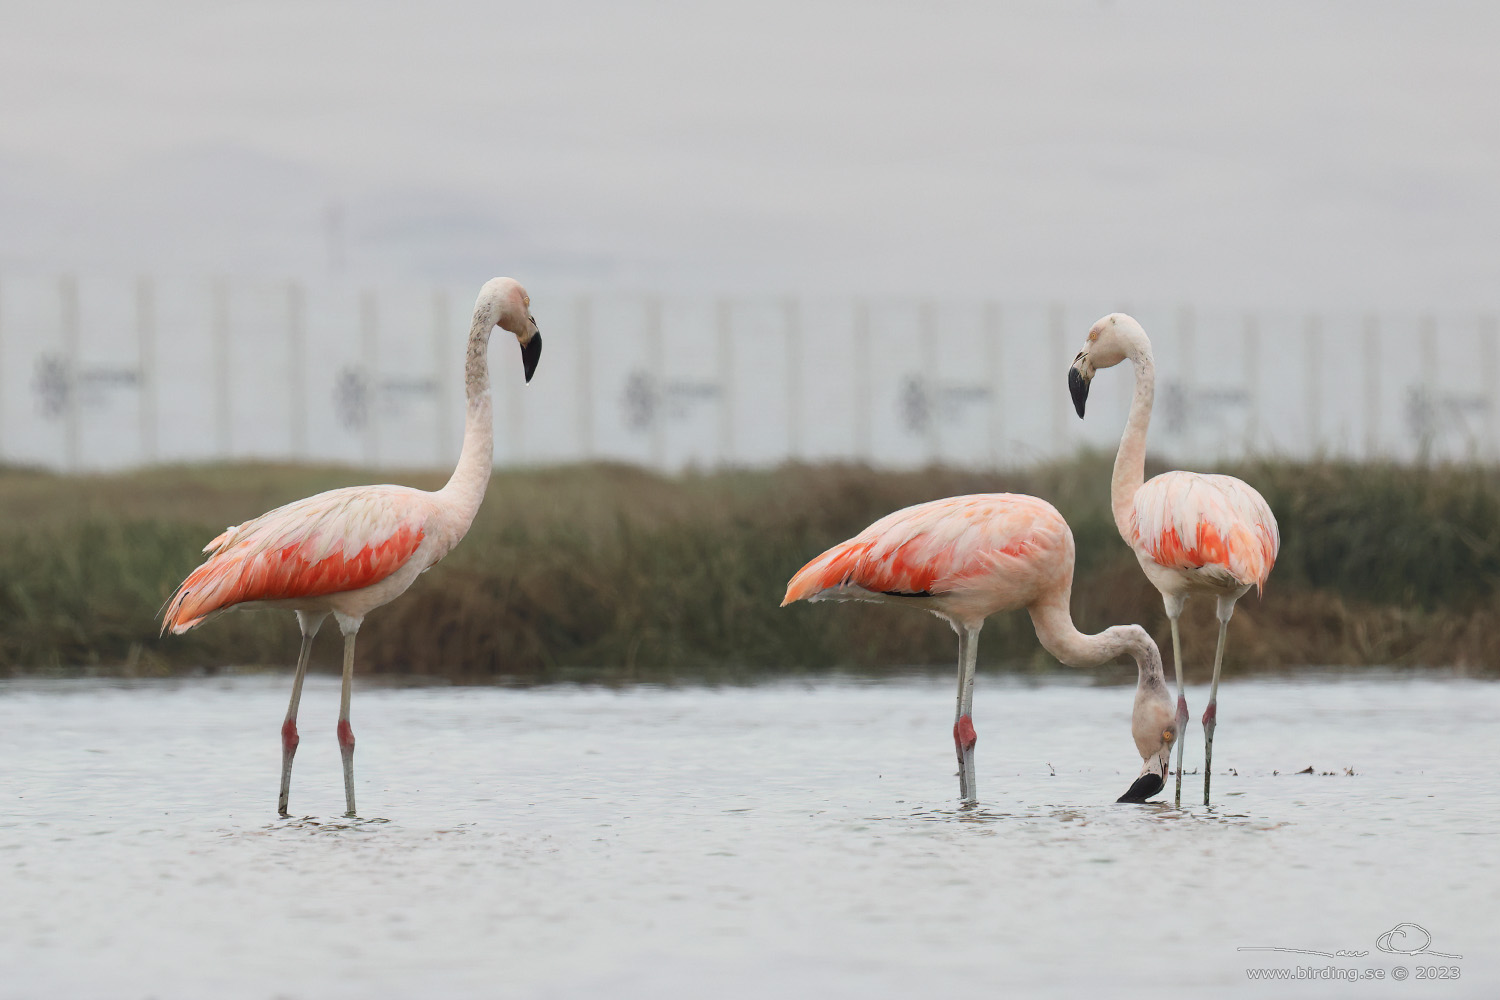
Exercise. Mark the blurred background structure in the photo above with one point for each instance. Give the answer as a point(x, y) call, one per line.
point(113, 374)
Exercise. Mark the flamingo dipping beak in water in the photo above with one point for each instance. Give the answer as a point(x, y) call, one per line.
point(966, 558)
point(1156, 756)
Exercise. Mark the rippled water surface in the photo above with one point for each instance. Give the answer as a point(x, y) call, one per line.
point(783, 840)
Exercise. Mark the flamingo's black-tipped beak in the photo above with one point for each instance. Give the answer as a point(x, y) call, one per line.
point(1078, 386)
point(1145, 786)
point(531, 353)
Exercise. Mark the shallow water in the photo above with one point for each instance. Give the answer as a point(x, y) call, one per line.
point(739, 842)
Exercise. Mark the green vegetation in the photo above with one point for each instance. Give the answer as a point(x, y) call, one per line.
point(612, 573)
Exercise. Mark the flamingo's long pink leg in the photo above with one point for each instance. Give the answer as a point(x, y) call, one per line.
point(346, 733)
point(309, 624)
point(1211, 713)
point(964, 736)
point(1182, 709)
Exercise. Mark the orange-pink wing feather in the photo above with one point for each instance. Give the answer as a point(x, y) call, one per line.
point(939, 547)
point(1184, 520)
point(337, 541)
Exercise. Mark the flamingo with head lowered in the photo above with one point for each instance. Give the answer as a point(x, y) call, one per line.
point(1192, 534)
point(966, 558)
point(349, 551)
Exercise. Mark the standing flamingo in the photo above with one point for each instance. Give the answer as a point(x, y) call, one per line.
point(1192, 534)
point(346, 552)
point(965, 558)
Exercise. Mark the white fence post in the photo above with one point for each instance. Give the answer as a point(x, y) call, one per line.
point(930, 344)
point(68, 304)
point(1252, 383)
point(724, 321)
point(1427, 341)
point(657, 374)
point(993, 332)
point(1313, 389)
point(1187, 347)
point(296, 370)
point(223, 409)
point(583, 332)
point(927, 338)
point(793, 381)
point(864, 406)
point(145, 361)
point(370, 335)
point(1488, 375)
point(1371, 352)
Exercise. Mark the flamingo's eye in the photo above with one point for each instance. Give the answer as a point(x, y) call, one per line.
point(1166, 734)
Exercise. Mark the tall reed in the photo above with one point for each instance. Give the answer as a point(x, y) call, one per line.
point(612, 573)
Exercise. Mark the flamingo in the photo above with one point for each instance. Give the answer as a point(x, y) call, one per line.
point(966, 558)
point(349, 551)
point(1191, 533)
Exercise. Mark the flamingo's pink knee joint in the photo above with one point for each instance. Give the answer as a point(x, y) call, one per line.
point(1211, 714)
point(964, 736)
point(346, 734)
point(289, 739)
point(1182, 712)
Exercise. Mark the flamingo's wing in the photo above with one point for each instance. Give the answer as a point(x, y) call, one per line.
point(936, 548)
point(1184, 520)
point(334, 542)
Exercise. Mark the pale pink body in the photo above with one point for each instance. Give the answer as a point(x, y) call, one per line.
point(1202, 534)
point(975, 555)
point(345, 552)
point(966, 558)
point(349, 551)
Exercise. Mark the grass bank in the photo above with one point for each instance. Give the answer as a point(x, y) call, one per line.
point(610, 572)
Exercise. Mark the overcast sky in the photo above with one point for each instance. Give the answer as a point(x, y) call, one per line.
point(1340, 154)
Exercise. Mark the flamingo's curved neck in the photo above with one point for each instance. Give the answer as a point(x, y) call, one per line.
point(467, 484)
point(1060, 637)
point(1130, 462)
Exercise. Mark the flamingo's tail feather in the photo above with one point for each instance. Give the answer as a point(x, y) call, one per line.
point(833, 568)
point(207, 589)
